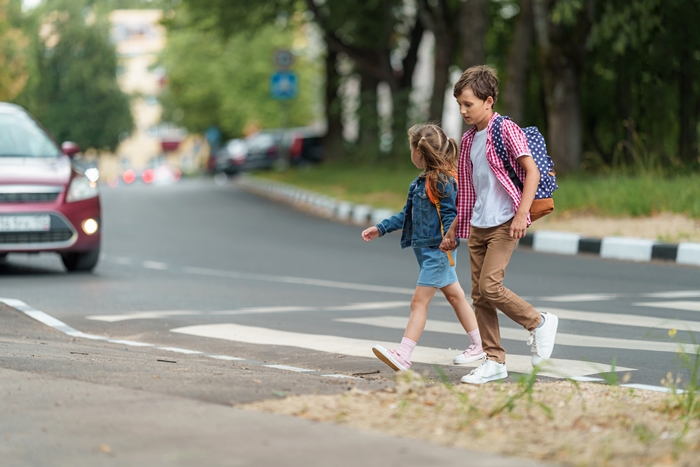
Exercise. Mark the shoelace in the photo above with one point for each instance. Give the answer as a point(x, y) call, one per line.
point(532, 340)
point(483, 362)
point(469, 349)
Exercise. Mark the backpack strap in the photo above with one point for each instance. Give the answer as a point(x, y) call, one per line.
point(497, 138)
point(442, 231)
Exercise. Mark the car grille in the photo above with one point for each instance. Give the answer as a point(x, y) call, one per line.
point(35, 237)
point(27, 197)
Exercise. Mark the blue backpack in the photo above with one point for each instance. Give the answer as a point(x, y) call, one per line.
point(543, 203)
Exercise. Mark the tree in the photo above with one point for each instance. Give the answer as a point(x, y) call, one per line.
point(562, 28)
point(13, 45)
point(224, 81)
point(74, 91)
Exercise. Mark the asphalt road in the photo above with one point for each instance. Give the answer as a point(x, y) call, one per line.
point(214, 269)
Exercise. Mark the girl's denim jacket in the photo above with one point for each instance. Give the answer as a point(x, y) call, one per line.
point(419, 218)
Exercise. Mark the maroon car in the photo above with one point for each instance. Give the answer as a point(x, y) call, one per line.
point(46, 203)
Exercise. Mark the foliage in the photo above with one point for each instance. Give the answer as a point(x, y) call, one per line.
point(13, 45)
point(73, 90)
point(225, 81)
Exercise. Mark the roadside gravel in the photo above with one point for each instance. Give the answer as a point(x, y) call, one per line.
point(583, 424)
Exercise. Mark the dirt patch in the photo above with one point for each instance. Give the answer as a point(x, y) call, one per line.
point(582, 424)
point(672, 228)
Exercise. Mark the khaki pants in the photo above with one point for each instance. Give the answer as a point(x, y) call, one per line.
point(489, 252)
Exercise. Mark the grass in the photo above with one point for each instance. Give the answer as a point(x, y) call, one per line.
point(607, 195)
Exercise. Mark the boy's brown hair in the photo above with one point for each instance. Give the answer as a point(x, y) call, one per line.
point(481, 79)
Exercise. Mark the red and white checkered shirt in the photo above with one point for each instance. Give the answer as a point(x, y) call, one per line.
point(516, 146)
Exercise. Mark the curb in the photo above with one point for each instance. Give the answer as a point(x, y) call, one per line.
point(624, 248)
point(545, 241)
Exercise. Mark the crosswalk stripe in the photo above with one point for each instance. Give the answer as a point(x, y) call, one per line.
point(141, 315)
point(676, 294)
point(675, 305)
point(624, 319)
point(556, 368)
point(298, 280)
point(574, 340)
point(592, 297)
point(265, 309)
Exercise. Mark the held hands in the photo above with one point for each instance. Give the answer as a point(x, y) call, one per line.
point(449, 242)
point(370, 233)
point(519, 226)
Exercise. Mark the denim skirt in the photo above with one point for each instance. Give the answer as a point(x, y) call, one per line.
point(435, 269)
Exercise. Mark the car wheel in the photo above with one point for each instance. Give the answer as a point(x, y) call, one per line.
point(3, 257)
point(84, 261)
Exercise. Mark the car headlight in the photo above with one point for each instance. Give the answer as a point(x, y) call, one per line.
point(81, 188)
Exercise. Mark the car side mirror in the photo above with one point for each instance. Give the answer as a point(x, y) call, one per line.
point(70, 149)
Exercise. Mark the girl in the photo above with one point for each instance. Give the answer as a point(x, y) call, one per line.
point(423, 222)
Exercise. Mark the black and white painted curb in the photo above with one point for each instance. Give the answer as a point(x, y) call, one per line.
point(631, 249)
point(58, 325)
point(565, 243)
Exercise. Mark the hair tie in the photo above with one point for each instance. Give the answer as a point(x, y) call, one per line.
point(422, 137)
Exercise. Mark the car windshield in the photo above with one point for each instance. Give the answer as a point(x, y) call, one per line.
point(20, 136)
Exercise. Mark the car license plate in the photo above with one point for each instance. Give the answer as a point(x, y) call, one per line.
point(25, 223)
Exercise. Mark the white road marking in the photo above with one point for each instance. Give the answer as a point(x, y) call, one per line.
point(370, 306)
point(121, 260)
point(677, 294)
point(591, 297)
point(556, 368)
point(574, 340)
point(264, 309)
point(64, 328)
point(298, 280)
point(141, 315)
point(624, 319)
point(287, 309)
point(676, 305)
point(179, 350)
point(647, 387)
point(154, 265)
point(288, 368)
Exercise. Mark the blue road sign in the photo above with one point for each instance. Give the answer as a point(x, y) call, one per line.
point(284, 85)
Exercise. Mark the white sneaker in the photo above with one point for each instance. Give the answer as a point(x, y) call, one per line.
point(542, 339)
point(489, 370)
point(472, 354)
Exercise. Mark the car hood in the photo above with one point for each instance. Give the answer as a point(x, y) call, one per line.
point(35, 170)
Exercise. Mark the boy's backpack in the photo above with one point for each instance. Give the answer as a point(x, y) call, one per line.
point(543, 203)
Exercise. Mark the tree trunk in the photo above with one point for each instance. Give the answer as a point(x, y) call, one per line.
point(368, 140)
point(517, 66)
point(562, 49)
point(624, 104)
point(688, 137)
point(443, 59)
point(565, 132)
point(333, 140)
point(473, 23)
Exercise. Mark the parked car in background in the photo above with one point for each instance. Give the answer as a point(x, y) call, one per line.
point(304, 146)
point(47, 204)
point(263, 150)
point(231, 157)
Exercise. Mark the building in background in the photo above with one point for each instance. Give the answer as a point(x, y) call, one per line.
point(139, 38)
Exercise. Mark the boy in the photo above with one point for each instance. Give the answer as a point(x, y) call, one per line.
point(494, 214)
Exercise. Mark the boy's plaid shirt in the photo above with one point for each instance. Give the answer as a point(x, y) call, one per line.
point(516, 145)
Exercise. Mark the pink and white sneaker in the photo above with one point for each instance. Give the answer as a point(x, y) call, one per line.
point(392, 358)
point(473, 353)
